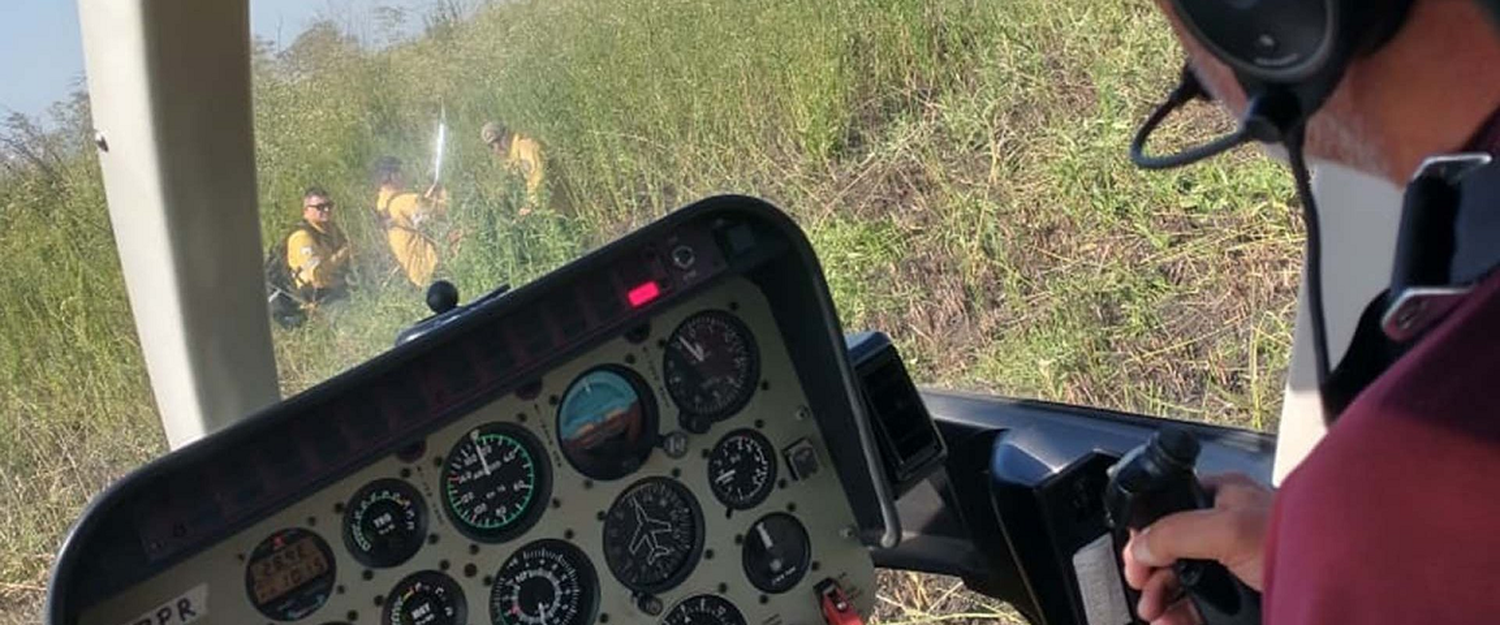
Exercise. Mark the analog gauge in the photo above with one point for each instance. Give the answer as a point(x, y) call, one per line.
point(742, 469)
point(495, 482)
point(290, 574)
point(705, 610)
point(652, 535)
point(607, 423)
point(426, 598)
point(711, 366)
point(385, 523)
point(547, 582)
point(776, 552)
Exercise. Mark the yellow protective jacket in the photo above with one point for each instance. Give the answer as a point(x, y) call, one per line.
point(525, 159)
point(318, 257)
point(404, 213)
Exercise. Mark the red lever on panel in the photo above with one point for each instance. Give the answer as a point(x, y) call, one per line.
point(837, 610)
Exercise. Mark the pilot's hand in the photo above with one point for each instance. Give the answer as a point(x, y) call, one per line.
point(1233, 532)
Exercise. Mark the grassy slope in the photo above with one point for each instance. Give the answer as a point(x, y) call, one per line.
point(959, 166)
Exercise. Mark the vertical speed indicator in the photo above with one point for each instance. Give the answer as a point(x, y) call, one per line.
point(742, 469)
point(711, 366)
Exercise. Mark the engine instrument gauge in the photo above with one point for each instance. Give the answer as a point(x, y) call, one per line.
point(547, 582)
point(426, 598)
point(705, 610)
point(606, 424)
point(776, 552)
point(495, 482)
point(385, 523)
point(711, 366)
point(742, 469)
point(290, 574)
point(653, 534)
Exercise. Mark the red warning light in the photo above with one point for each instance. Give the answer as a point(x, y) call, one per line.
point(643, 294)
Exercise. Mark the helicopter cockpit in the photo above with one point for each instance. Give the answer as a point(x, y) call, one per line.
point(665, 428)
point(675, 429)
point(672, 429)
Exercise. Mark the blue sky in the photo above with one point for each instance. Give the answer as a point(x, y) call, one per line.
point(41, 56)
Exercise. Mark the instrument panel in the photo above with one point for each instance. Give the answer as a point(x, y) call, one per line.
point(674, 473)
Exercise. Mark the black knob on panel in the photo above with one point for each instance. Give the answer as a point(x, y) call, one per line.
point(442, 297)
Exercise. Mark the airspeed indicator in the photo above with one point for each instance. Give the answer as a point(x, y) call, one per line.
point(495, 482)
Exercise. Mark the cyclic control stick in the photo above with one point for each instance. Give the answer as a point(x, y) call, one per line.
point(1155, 480)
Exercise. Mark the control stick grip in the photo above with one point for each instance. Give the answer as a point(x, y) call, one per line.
point(1158, 479)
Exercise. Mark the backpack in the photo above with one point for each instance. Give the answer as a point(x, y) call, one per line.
point(283, 301)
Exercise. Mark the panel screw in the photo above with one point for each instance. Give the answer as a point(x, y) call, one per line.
point(803, 413)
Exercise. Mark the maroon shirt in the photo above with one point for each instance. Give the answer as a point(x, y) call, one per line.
point(1395, 516)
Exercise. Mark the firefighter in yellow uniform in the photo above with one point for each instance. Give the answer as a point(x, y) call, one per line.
point(404, 214)
point(317, 252)
point(522, 155)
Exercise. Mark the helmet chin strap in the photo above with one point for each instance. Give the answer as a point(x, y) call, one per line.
point(1271, 116)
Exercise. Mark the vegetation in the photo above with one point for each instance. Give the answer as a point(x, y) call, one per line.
point(959, 165)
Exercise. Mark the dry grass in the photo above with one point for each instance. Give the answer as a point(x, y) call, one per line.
point(908, 598)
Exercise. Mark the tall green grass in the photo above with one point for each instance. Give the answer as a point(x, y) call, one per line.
point(75, 407)
point(959, 165)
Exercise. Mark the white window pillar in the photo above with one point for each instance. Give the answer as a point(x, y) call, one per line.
point(169, 86)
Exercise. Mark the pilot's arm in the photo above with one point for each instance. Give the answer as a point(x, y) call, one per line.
point(1233, 533)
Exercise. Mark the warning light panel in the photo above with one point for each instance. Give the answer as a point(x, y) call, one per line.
point(643, 294)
